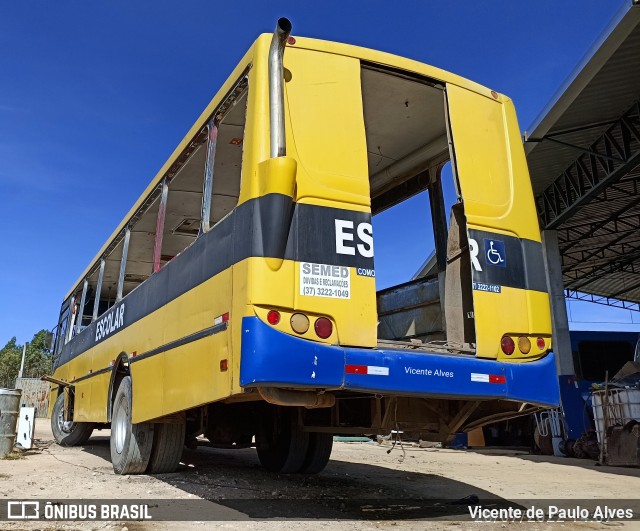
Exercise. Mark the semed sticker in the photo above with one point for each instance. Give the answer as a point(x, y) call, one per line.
point(324, 280)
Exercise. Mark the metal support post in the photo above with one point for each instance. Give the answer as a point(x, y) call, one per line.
point(123, 263)
point(96, 302)
point(212, 140)
point(559, 320)
point(24, 355)
point(162, 210)
point(83, 298)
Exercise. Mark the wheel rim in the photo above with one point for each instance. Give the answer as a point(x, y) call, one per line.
point(120, 428)
point(64, 425)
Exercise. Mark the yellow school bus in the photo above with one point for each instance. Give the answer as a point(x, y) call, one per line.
point(237, 299)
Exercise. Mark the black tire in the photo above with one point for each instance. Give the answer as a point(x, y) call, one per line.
point(168, 443)
point(68, 433)
point(281, 444)
point(544, 443)
point(318, 453)
point(130, 443)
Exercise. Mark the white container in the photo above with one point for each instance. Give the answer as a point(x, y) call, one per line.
point(623, 405)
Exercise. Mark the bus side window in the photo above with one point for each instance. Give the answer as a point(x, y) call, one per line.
point(170, 218)
point(173, 222)
point(228, 161)
point(63, 328)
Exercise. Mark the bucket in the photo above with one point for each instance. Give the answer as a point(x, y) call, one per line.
point(9, 411)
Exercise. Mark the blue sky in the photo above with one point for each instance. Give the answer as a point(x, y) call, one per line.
point(94, 96)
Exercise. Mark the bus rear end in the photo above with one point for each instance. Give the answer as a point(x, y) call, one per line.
point(462, 342)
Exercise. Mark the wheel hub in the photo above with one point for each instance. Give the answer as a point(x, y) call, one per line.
point(64, 425)
point(119, 428)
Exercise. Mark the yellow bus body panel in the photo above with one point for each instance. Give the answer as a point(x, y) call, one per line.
point(496, 189)
point(325, 127)
point(173, 380)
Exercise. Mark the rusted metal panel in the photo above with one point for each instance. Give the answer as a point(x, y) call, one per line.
point(410, 310)
point(35, 393)
point(623, 445)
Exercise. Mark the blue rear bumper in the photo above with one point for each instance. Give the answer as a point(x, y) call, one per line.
point(276, 359)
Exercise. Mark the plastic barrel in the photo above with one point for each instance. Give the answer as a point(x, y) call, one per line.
point(9, 411)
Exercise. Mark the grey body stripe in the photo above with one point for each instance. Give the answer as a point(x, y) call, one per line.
point(168, 346)
point(182, 341)
point(91, 375)
point(524, 267)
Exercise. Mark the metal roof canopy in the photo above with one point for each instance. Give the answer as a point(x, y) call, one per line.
point(584, 157)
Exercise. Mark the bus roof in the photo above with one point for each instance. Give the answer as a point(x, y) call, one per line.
point(262, 45)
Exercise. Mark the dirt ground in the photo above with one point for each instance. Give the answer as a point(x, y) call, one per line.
point(363, 487)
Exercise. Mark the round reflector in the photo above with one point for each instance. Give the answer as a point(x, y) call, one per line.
point(507, 345)
point(323, 327)
point(299, 323)
point(524, 345)
point(541, 344)
point(273, 317)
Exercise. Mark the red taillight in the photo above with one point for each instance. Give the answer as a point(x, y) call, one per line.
point(273, 317)
point(323, 327)
point(507, 345)
point(541, 344)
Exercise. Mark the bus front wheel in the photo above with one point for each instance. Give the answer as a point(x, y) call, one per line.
point(68, 433)
point(130, 443)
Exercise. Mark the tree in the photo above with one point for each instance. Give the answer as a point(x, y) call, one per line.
point(37, 360)
point(10, 356)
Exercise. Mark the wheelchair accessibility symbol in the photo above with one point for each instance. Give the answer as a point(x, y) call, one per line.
point(495, 253)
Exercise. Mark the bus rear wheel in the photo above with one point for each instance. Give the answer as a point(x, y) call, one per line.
point(68, 433)
point(130, 444)
point(168, 443)
point(281, 444)
point(318, 453)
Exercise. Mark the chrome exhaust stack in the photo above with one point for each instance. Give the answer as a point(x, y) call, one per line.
point(276, 88)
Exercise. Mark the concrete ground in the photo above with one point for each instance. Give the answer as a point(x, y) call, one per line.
point(363, 487)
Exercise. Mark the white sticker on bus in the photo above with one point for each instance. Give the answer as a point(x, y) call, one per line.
point(323, 280)
point(346, 242)
point(474, 250)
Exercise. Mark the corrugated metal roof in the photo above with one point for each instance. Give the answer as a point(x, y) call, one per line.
point(599, 256)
